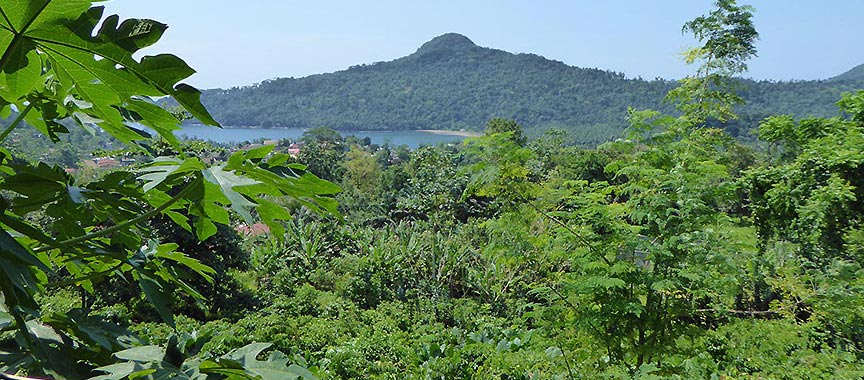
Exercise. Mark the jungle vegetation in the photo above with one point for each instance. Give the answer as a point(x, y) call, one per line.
point(675, 251)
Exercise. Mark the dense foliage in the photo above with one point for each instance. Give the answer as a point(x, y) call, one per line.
point(673, 252)
point(676, 253)
point(450, 83)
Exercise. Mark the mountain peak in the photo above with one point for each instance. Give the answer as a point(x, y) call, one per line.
point(447, 41)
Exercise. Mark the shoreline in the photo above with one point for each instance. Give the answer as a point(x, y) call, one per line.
point(450, 133)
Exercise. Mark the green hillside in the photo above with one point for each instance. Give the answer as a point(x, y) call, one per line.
point(451, 83)
point(854, 75)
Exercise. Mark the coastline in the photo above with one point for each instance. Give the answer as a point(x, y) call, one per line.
point(450, 133)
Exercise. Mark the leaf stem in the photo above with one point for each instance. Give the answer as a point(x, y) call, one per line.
point(15, 123)
point(127, 223)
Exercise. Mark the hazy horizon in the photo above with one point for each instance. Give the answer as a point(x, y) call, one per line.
point(232, 45)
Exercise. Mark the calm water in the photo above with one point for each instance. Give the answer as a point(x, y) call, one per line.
point(413, 139)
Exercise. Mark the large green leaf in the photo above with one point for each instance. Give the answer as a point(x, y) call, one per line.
point(92, 66)
point(15, 82)
point(164, 167)
point(158, 296)
point(149, 362)
point(243, 183)
point(243, 363)
point(97, 332)
point(240, 364)
point(19, 273)
point(227, 182)
point(168, 252)
point(39, 185)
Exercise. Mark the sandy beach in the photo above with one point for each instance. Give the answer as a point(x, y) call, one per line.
point(451, 133)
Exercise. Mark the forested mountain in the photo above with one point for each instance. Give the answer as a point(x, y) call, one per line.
point(854, 75)
point(451, 83)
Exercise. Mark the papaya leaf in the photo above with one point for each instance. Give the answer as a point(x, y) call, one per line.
point(276, 367)
point(15, 82)
point(227, 182)
point(94, 65)
point(158, 296)
point(123, 370)
point(163, 167)
point(18, 270)
point(142, 354)
point(37, 186)
point(169, 254)
point(91, 329)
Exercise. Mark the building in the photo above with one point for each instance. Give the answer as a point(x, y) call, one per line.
point(293, 150)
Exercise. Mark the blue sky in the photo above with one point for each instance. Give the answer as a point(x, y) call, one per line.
point(235, 43)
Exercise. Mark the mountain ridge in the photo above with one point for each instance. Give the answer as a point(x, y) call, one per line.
point(449, 82)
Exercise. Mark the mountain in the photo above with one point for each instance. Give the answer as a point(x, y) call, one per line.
point(451, 83)
point(855, 75)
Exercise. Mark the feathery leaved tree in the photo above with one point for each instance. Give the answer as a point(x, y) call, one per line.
point(728, 40)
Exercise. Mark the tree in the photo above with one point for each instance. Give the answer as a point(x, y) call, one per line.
point(322, 135)
point(811, 203)
point(650, 246)
point(728, 37)
point(499, 125)
point(362, 171)
point(61, 67)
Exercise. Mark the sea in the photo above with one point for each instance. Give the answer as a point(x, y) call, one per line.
point(233, 135)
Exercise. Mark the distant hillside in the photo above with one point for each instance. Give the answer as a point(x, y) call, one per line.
point(854, 75)
point(451, 83)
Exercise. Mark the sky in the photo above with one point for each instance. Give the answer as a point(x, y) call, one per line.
point(238, 43)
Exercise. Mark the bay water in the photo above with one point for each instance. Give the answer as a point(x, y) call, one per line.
point(233, 135)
